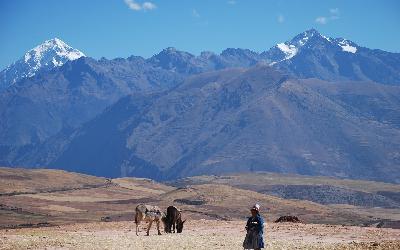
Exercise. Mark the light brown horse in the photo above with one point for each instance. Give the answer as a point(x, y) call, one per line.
point(148, 214)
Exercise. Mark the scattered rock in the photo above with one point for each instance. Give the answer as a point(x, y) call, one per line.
point(288, 218)
point(388, 224)
point(190, 202)
point(27, 225)
point(106, 219)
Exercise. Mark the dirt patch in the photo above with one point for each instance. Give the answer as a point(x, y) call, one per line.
point(59, 208)
point(199, 234)
point(131, 201)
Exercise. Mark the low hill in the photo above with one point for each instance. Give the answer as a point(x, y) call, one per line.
point(323, 190)
point(228, 203)
point(19, 181)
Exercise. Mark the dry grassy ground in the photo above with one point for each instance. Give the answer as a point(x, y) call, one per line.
point(74, 206)
point(199, 234)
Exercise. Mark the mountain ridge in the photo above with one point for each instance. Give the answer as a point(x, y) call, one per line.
point(302, 56)
point(313, 105)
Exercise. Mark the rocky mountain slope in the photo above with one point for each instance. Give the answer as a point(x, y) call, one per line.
point(238, 120)
point(33, 109)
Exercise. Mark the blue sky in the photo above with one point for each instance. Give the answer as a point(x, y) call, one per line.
point(120, 28)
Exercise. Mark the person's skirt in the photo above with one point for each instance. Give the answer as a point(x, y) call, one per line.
point(253, 240)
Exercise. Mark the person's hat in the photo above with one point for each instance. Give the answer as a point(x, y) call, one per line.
point(256, 207)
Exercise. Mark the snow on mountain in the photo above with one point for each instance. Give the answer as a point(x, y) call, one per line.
point(290, 50)
point(46, 56)
point(347, 45)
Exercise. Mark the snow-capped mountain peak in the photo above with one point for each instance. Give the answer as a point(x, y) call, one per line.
point(307, 36)
point(309, 39)
point(46, 56)
point(289, 49)
point(312, 37)
point(54, 46)
point(52, 53)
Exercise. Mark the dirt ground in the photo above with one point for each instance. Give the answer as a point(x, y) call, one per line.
point(198, 234)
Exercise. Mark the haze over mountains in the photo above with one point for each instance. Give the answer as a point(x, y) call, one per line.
point(312, 105)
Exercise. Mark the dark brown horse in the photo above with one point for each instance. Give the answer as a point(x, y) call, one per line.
point(173, 220)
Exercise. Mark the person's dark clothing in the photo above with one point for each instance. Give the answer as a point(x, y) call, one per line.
point(255, 233)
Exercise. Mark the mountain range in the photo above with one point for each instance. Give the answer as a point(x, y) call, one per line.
point(313, 105)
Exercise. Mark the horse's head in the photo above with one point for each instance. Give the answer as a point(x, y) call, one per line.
point(179, 226)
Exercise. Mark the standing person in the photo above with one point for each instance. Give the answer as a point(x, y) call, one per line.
point(255, 230)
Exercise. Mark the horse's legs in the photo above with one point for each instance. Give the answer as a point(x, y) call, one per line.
point(137, 222)
point(148, 228)
point(169, 226)
point(173, 226)
point(158, 227)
